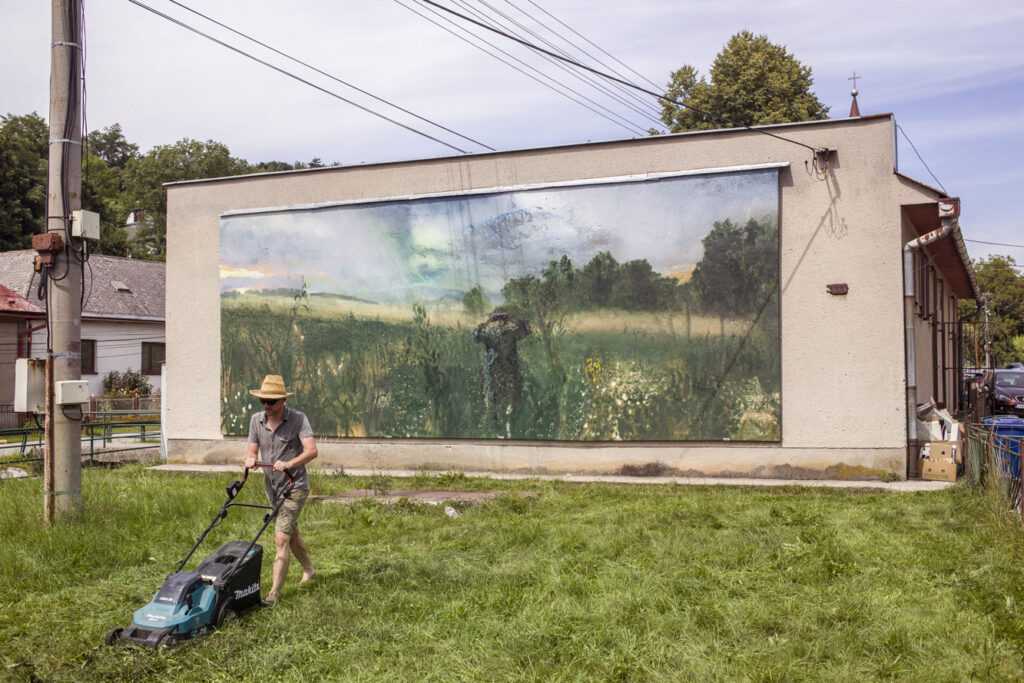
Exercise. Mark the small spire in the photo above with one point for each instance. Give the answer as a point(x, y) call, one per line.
point(854, 109)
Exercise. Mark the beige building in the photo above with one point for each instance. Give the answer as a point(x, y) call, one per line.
point(845, 216)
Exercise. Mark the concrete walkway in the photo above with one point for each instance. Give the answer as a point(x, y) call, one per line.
point(897, 486)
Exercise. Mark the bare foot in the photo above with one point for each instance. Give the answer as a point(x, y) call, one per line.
point(269, 601)
point(307, 575)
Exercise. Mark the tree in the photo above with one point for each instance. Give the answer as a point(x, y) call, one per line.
point(23, 159)
point(738, 274)
point(753, 82)
point(187, 159)
point(475, 303)
point(111, 145)
point(1001, 277)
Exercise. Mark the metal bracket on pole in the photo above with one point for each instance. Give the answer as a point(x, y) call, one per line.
point(63, 493)
point(66, 140)
point(65, 42)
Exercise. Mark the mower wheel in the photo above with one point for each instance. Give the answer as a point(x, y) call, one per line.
point(112, 635)
point(226, 614)
point(166, 641)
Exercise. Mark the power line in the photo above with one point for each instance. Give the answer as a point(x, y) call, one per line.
point(997, 244)
point(297, 78)
point(613, 78)
point(622, 121)
point(545, 84)
point(584, 77)
point(900, 129)
point(626, 66)
point(621, 87)
point(334, 78)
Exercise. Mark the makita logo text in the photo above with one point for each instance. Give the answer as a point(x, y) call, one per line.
point(255, 588)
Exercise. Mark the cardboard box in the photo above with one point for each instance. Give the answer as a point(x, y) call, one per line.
point(938, 470)
point(944, 450)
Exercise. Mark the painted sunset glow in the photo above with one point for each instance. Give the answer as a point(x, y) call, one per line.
point(515, 314)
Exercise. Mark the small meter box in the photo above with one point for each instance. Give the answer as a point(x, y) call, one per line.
point(71, 392)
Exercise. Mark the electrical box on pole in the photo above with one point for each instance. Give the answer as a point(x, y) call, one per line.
point(85, 224)
point(30, 385)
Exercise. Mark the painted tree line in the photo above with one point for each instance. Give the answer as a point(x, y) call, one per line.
point(736, 278)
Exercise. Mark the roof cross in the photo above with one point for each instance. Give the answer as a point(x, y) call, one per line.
point(854, 78)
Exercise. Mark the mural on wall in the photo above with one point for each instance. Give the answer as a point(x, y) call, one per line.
point(626, 310)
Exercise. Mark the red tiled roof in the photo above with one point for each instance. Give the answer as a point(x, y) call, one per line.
point(12, 302)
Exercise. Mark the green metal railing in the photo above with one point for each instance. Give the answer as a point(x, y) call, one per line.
point(100, 430)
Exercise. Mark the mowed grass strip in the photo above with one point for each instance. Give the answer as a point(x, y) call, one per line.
point(584, 582)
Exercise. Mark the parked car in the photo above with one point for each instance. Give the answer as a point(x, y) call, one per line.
point(1014, 366)
point(1004, 391)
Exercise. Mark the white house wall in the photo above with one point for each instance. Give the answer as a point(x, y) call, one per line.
point(843, 381)
point(118, 347)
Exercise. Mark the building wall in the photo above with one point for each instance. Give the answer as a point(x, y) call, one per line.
point(843, 381)
point(8, 353)
point(118, 347)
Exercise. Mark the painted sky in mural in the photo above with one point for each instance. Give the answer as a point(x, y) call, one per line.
point(432, 249)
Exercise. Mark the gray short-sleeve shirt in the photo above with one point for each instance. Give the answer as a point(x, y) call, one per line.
point(284, 443)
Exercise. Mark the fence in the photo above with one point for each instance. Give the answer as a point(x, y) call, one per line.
point(994, 459)
point(10, 419)
point(100, 431)
point(101, 404)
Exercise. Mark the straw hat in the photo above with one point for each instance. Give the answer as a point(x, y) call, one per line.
point(272, 387)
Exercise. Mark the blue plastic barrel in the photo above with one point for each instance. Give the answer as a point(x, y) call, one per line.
point(1008, 435)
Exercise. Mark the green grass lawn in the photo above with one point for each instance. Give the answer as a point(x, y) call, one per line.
point(584, 582)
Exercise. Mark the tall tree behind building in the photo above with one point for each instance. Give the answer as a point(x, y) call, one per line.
point(1001, 277)
point(753, 82)
point(23, 151)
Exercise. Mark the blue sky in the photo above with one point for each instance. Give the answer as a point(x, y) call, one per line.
point(952, 73)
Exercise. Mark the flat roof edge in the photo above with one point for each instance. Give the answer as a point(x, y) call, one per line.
point(651, 139)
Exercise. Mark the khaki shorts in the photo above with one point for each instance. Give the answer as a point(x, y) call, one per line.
point(288, 515)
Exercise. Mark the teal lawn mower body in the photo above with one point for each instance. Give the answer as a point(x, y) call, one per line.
point(194, 603)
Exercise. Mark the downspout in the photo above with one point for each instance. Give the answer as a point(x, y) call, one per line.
point(27, 336)
point(908, 316)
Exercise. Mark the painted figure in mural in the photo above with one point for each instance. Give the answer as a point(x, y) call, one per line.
point(503, 385)
point(284, 438)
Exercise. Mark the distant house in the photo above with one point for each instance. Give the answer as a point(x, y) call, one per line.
point(122, 319)
point(18, 318)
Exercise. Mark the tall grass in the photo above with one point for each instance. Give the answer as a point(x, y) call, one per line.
point(585, 582)
point(636, 378)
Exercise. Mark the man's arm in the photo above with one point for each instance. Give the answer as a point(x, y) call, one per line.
point(251, 454)
point(308, 453)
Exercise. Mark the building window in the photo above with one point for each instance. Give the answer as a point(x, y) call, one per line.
point(152, 357)
point(88, 356)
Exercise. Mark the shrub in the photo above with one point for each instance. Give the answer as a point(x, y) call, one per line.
point(128, 383)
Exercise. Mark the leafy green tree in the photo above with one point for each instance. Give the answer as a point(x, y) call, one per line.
point(111, 145)
point(597, 280)
point(187, 159)
point(1001, 277)
point(101, 192)
point(23, 159)
point(753, 82)
point(475, 302)
point(738, 274)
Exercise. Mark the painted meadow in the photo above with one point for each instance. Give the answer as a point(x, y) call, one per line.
point(618, 311)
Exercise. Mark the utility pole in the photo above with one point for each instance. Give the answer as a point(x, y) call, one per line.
point(988, 340)
point(63, 275)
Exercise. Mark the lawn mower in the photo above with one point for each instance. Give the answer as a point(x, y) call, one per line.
point(191, 604)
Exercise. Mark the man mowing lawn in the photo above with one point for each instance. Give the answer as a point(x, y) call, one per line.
point(284, 438)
